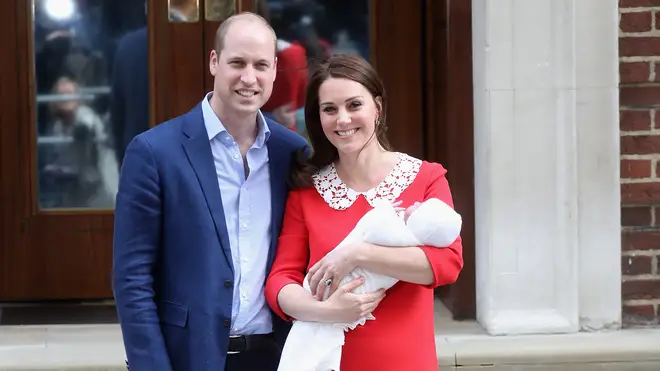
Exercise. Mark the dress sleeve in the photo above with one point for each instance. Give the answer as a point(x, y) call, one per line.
point(446, 262)
point(292, 256)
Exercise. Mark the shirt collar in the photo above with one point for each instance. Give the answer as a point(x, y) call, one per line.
point(214, 126)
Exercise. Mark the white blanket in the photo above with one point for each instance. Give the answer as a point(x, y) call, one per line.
point(316, 346)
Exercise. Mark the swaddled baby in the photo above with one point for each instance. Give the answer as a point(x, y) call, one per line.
point(316, 346)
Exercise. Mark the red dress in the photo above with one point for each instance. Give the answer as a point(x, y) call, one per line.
point(318, 219)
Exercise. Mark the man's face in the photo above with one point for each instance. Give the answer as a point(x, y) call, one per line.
point(244, 70)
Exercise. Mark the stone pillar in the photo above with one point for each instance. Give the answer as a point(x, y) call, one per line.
point(546, 165)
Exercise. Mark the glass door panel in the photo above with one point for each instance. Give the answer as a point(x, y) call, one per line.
point(93, 74)
point(88, 56)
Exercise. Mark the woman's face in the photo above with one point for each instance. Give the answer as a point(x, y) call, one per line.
point(348, 114)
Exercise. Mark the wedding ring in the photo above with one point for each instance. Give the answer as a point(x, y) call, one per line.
point(328, 282)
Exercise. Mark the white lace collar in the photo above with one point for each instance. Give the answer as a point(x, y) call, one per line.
point(340, 197)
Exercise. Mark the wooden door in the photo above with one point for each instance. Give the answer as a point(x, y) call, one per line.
point(50, 249)
point(58, 148)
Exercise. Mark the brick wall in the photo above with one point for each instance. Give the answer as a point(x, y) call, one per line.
point(639, 52)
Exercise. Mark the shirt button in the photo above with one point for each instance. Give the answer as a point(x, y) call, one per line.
point(244, 225)
point(226, 323)
point(236, 156)
point(228, 284)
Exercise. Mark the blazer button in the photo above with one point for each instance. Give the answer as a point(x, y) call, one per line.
point(227, 323)
point(228, 284)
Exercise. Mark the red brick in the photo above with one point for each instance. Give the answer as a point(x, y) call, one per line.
point(635, 120)
point(640, 95)
point(640, 193)
point(636, 265)
point(638, 3)
point(638, 216)
point(636, 21)
point(638, 314)
point(657, 114)
point(640, 240)
point(635, 169)
point(639, 46)
point(641, 289)
point(632, 72)
point(640, 144)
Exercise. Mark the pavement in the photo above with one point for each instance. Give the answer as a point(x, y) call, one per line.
point(461, 346)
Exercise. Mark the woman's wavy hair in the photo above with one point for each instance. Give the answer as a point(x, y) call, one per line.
point(346, 66)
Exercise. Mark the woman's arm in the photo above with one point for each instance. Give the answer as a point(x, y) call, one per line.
point(408, 264)
point(284, 291)
point(342, 307)
point(290, 261)
point(296, 302)
point(424, 265)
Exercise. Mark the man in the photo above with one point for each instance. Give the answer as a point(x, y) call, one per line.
point(200, 205)
point(129, 108)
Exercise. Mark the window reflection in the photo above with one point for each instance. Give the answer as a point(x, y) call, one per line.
point(91, 82)
point(308, 30)
point(183, 11)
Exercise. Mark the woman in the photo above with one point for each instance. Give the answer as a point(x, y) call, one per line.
point(352, 166)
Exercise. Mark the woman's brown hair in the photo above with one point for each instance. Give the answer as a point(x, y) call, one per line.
point(346, 66)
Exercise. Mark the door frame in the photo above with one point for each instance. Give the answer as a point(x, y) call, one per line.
point(449, 112)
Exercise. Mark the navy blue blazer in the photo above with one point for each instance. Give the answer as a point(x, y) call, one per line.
point(173, 274)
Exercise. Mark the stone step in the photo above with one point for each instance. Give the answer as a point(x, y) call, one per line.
point(633, 349)
point(99, 348)
point(86, 337)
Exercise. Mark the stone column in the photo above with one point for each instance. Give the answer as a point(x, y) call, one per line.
point(546, 165)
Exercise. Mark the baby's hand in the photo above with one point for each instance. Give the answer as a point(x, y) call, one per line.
point(410, 210)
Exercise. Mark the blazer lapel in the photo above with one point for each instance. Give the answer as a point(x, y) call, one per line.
point(198, 149)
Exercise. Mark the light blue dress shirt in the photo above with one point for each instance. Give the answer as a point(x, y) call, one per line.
point(247, 206)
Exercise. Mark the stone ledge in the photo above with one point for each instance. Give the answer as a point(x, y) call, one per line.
point(61, 347)
point(99, 348)
point(615, 350)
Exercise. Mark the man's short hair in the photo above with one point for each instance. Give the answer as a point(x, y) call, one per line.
point(221, 33)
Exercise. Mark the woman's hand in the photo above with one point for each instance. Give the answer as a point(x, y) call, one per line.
point(328, 272)
point(345, 306)
point(410, 210)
